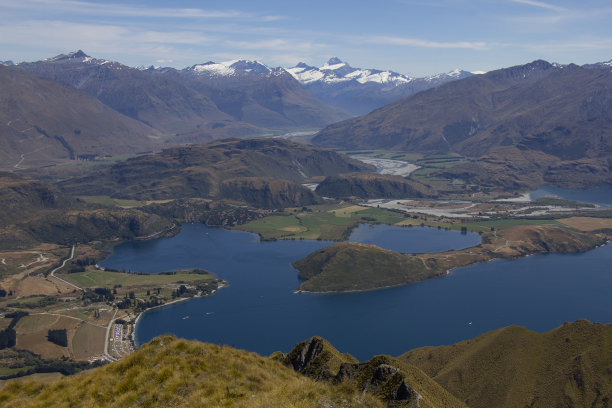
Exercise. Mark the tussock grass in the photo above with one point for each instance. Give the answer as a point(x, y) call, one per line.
point(178, 373)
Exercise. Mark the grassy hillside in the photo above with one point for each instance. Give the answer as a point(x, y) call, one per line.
point(349, 266)
point(570, 366)
point(170, 372)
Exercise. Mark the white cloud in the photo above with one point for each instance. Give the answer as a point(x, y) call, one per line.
point(416, 42)
point(540, 4)
point(117, 9)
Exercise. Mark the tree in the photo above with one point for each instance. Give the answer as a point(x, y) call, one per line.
point(59, 337)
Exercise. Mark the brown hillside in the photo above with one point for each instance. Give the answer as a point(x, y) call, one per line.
point(515, 367)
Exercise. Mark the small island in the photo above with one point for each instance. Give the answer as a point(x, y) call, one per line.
point(350, 266)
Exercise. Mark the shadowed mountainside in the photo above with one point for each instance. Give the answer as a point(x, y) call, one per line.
point(372, 185)
point(207, 170)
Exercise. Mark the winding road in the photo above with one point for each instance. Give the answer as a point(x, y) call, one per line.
point(52, 274)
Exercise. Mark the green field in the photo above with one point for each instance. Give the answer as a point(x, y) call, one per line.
point(97, 278)
point(324, 222)
point(478, 226)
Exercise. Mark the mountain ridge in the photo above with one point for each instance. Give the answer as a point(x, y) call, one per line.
point(528, 122)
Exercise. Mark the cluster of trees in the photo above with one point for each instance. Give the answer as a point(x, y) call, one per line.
point(32, 363)
point(99, 295)
point(8, 336)
point(59, 337)
point(79, 265)
point(42, 302)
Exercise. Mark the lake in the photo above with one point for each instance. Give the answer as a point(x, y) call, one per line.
point(600, 196)
point(260, 312)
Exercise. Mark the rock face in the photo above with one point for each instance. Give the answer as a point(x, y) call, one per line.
point(267, 192)
point(391, 380)
point(372, 186)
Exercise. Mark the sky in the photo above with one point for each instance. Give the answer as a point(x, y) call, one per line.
point(413, 37)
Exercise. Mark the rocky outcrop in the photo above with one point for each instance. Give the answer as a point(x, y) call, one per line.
point(268, 192)
point(396, 383)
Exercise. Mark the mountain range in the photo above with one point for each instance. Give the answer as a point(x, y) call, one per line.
point(359, 91)
point(534, 124)
point(247, 98)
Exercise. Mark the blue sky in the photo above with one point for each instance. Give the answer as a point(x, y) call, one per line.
point(414, 37)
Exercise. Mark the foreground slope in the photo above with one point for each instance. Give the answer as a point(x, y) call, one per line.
point(170, 372)
point(515, 367)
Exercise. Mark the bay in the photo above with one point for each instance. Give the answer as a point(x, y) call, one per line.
point(260, 312)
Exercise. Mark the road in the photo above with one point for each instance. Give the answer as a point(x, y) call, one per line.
point(108, 329)
point(52, 274)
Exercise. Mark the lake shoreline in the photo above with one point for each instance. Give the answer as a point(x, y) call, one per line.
point(183, 299)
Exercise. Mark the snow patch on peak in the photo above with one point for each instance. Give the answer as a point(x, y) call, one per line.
point(227, 68)
point(213, 68)
point(333, 67)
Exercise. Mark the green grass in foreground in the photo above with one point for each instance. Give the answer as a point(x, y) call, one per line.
point(97, 278)
point(324, 222)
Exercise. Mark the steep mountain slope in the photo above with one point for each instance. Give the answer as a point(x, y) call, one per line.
point(537, 122)
point(360, 91)
point(200, 170)
point(42, 121)
point(515, 367)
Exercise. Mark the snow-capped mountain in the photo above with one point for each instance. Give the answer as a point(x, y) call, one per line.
point(358, 90)
point(230, 68)
point(599, 65)
point(336, 70)
point(234, 98)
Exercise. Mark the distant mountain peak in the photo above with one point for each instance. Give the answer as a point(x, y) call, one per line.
point(78, 54)
point(334, 61)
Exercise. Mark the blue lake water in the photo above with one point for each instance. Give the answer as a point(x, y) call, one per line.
point(601, 196)
point(259, 310)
